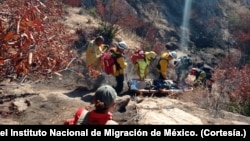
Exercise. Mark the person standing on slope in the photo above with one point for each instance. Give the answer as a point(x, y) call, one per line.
point(120, 65)
point(94, 51)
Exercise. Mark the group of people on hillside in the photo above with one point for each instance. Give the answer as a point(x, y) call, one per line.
point(183, 65)
point(105, 96)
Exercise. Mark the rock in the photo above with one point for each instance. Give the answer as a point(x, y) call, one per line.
point(20, 105)
point(121, 103)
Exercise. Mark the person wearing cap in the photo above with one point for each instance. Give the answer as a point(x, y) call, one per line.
point(120, 65)
point(94, 51)
point(141, 65)
point(163, 63)
point(104, 101)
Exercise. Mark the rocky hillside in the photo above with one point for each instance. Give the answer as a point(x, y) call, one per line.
point(208, 24)
point(51, 102)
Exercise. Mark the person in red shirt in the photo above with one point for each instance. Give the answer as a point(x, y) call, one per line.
point(104, 100)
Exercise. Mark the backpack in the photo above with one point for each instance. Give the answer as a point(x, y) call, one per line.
point(138, 54)
point(208, 70)
point(108, 62)
point(186, 61)
point(158, 66)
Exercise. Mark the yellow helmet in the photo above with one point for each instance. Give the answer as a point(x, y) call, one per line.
point(150, 55)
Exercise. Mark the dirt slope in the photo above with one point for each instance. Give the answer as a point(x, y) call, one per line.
point(52, 103)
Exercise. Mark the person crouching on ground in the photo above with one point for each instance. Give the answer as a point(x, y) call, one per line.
point(182, 67)
point(200, 77)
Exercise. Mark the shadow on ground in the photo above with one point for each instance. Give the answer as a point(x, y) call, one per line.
point(83, 92)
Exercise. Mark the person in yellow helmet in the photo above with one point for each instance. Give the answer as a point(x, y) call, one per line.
point(141, 65)
point(163, 63)
point(94, 51)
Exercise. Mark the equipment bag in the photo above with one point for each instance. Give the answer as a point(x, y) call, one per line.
point(108, 63)
point(139, 54)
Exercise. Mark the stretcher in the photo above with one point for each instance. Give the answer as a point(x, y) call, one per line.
point(152, 87)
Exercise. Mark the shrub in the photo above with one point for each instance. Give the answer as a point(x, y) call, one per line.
point(33, 40)
point(234, 82)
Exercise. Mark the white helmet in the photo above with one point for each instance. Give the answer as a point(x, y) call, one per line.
point(173, 54)
point(122, 45)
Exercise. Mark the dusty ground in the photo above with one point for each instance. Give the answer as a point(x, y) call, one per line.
point(51, 102)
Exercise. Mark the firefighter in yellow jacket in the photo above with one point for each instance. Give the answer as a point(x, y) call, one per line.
point(120, 65)
point(141, 65)
point(93, 53)
point(163, 63)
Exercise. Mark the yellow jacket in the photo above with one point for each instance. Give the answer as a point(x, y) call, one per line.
point(120, 65)
point(141, 65)
point(164, 64)
point(141, 68)
point(93, 54)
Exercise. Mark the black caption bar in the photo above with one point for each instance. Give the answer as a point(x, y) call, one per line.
point(240, 132)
